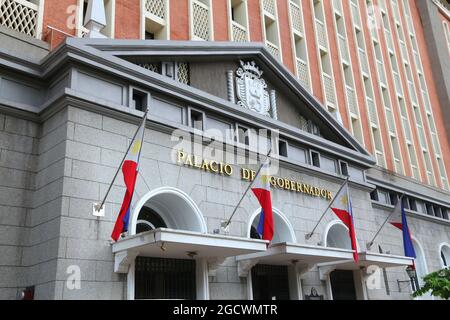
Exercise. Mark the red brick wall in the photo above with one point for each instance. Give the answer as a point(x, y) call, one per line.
point(179, 20)
point(254, 17)
point(127, 20)
point(59, 14)
point(220, 20)
point(285, 35)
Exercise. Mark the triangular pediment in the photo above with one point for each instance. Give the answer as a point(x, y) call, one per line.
point(212, 66)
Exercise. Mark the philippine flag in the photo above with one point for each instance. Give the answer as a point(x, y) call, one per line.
point(262, 192)
point(342, 207)
point(130, 171)
point(398, 220)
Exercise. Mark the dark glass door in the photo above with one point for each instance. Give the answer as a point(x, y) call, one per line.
point(157, 278)
point(270, 282)
point(343, 285)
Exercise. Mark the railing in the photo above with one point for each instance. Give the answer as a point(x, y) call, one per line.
point(390, 43)
point(321, 34)
point(21, 16)
point(273, 48)
point(398, 166)
point(363, 59)
point(390, 121)
point(381, 72)
point(380, 158)
point(426, 101)
point(412, 92)
point(398, 86)
point(200, 18)
point(239, 32)
point(435, 139)
point(156, 8)
point(351, 100)
point(343, 48)
point(337, 4)
point(407, 129)
point(422, 140)
point(404, 50)
point(296, 16)
point(372, 111)
point(269, 7)
point(303, 73)
point(355, 14)
point(329, 88)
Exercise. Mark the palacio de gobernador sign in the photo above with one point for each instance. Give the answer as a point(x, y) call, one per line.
point(225, 169)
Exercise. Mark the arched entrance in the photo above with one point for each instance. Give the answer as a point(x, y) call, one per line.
point(421, 266)
point(160, 277)
point(269, 282)
point(342, 284)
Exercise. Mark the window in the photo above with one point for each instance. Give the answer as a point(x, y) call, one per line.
point(200, 20)
point(243, 135)
point(445, 255)
point(139, 100)
point(270, 26)
point(393, 198)
point(155, 15)
point(383, 197)
point(238, 20)
point(374, 195)
point(196, 119)
point(412, 205)
point(343, 168)
point(282, 148)
point(315, 158)
point(429, 209)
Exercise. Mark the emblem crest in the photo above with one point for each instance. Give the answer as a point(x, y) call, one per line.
point(252, 89)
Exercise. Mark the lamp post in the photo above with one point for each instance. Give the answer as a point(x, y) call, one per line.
point(412, 274)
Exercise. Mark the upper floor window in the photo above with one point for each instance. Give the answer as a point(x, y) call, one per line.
point(201, 20)
point(238, 20)
point(155, 17)
point(22, 16)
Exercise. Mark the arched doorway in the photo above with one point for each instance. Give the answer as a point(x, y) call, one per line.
point(342, 284)
point(271, 282)
point(167, 278)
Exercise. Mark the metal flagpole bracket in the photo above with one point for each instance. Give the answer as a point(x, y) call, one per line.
point(98, 211)
point(369, 245)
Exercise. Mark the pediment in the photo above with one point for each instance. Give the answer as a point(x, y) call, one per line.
point(259, 81)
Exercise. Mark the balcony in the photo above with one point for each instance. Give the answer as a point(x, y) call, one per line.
point(398, 85)
point(355, 15)
point(296, 16)
point(351, 100)
point(381, 73)
point(337, 4)
point(269, 7)
point(321, 34)
point(329, 88)
point(390, 121)
point(412, 92)
point(363, 60)
point(303, 73)
point(273, 48)
point(389, 41)
point(239, 32)
point(22, 16)
point(156, 8)
point(372, 111)
point(200, 19)
point(344, 49)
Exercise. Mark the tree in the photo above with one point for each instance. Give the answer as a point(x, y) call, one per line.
point(439, 284)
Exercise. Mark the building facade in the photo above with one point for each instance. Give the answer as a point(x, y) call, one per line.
point(355, 90)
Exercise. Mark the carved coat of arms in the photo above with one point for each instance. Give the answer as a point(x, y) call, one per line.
point(252, 89)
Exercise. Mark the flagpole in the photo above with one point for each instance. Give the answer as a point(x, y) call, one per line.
point(100, 206)
point(370, 244)
point(248, 188)
point(309, 235)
